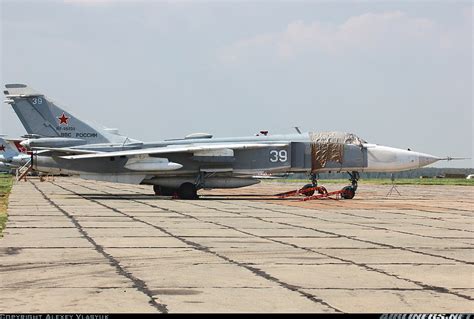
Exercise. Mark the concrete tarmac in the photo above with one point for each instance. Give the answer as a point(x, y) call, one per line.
point(83, 246)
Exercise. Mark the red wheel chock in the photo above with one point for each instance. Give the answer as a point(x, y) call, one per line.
point(322, 193)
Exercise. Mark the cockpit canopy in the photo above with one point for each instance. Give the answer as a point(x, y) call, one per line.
point(335, 137)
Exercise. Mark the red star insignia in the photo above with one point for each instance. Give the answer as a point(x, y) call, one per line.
point(21, 148)
point(2, 148)
point(63, 119)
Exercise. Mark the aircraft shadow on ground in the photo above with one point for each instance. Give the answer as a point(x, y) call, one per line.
point(233, 197)
point(151, 196)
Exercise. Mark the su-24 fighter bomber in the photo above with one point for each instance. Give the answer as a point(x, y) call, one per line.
point(62, 143)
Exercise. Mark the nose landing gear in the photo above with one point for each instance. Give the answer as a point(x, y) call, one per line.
point(308, 190)
point(348, 192)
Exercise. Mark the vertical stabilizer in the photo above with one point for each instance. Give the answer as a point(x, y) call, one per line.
point(7, 149)
point(41, 116)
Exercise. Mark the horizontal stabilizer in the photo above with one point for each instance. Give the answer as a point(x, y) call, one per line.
point(23, 90)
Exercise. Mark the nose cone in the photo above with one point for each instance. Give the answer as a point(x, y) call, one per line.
point(426, 159)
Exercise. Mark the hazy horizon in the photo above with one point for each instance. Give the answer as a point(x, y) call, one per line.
point(394, 73)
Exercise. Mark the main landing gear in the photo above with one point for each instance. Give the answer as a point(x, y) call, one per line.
point(164, 191)
point(185, 191)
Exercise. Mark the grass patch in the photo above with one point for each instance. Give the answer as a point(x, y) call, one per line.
point(6, 181)
point(387, 181)
point(426, 181)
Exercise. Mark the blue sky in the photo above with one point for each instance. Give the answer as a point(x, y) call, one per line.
point(395, 73)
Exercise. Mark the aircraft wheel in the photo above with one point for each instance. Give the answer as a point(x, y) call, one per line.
point(167, 191)
point(308, 193)
point(322, 190)
point(348, 192)
point(187, 191)
point(164, 191)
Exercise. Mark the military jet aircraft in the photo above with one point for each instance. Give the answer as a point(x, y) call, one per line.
point(10, 157)
point(198, 161)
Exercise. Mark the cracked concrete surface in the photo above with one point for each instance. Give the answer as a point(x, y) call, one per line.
point(83, 246)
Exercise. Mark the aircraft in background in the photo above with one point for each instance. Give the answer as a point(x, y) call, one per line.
point(10, 156)
point(69, 145)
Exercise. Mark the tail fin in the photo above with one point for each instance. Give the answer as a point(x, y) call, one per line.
point(41, 116)
point(7, 149)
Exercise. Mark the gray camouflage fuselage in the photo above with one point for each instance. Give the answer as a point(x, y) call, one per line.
point(61, 133)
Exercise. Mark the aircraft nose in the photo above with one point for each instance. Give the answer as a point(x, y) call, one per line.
point(426, 159)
